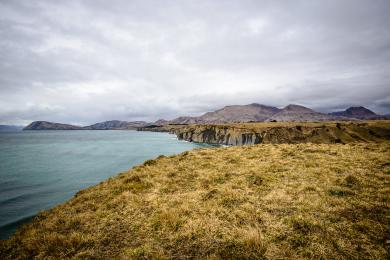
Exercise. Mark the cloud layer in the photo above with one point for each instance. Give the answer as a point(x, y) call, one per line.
point(88, 61)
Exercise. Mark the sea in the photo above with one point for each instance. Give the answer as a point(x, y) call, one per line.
point(41, 169)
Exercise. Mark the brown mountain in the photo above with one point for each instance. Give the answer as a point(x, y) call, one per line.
point(107, 125)
point(297, 113)
point(185, 120)
point(357, 112)
point(229, 114)
point(234, 114)
point(44, 125)
point(116, 125)
point(161, 122)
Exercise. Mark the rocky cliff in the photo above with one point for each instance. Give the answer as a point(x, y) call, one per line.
point(242, 134)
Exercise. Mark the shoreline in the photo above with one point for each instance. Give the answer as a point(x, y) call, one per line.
point(164, 198)
point(50, 149)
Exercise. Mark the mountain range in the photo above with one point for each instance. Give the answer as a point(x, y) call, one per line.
point(229, 114)
point(107, 125)
point(262, 113)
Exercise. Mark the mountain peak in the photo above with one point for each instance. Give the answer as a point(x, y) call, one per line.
point(297, 109)
point(359, 112)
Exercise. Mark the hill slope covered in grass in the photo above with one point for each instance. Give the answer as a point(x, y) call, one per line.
point(262, 201)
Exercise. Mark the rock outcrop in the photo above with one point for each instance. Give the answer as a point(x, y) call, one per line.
point(241, 134)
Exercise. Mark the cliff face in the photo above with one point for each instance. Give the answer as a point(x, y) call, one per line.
point(288, 133)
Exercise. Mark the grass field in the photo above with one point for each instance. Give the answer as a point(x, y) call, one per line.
point(328, 201)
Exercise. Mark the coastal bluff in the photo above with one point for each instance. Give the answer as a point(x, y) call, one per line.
point(279, 132)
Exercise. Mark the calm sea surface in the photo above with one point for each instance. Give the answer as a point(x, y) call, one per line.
point(40, 169)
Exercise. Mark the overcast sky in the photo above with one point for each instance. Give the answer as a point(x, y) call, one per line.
point(82, 62)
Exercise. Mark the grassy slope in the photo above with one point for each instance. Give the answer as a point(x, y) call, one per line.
point(272, 201)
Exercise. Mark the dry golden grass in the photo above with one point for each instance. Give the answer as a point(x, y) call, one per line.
point(285, 201)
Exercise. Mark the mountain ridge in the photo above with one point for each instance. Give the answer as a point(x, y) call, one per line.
point(116, 124)
point(253, 112)
point(298, 113)
point(106, 125)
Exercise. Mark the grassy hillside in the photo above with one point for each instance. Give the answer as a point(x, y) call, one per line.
point(262, 201)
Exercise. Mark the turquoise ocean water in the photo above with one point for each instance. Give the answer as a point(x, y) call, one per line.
point(40, 169)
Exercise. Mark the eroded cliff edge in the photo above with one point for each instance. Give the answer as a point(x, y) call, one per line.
point(256, 133)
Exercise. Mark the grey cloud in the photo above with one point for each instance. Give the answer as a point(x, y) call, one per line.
point(86, 61)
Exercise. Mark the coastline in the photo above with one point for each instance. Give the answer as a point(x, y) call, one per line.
point(268, 200)
point(41, 169)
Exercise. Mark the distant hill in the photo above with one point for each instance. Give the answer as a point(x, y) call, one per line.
point(161, 122)
point(116, 125)
point(228, 114)
point(254, 113)
point(296, 113)
point(246, 113)
point(357, 112)
point(44, 125)
point(107, 125)
point(9, 128)
point(184, 120)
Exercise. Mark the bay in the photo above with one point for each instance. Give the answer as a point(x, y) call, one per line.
point(40, 169)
